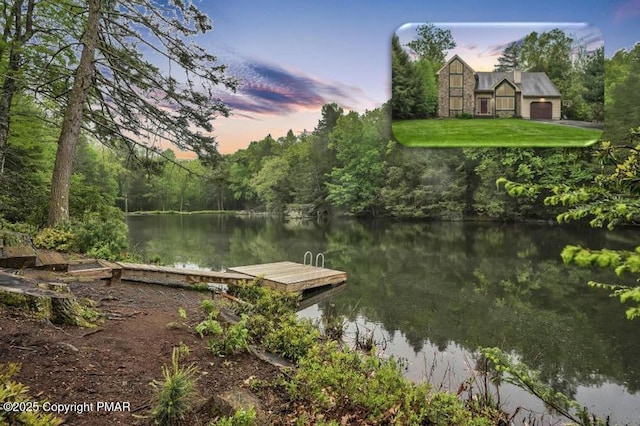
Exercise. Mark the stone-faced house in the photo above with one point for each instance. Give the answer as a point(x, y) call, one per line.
point(495, 94)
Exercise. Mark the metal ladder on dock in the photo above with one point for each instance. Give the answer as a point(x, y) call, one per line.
point(319, 257)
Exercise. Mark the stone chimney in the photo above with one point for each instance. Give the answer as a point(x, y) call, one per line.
point(517, 76)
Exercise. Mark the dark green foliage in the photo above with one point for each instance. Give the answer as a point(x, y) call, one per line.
point(28, 157)
point(292, 338)
point(225, 340)
point(401, 82)
point(548, 52)
point(265, 301)
point(423, 183)
point(510, 58)
point(272, 322)
point(609, 198)
point(414, 91)
point(103, 235)
point(531, 166)
point(92, 183)
point(331, 378)
point(623, 108)
point(359, 142)
point(426, 99)
point(578, 75)
point(432, 43)
point(594, 81)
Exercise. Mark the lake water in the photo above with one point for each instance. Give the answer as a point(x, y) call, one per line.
point(432, 293)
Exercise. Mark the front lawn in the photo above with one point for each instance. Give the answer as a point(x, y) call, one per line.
point(490, 132)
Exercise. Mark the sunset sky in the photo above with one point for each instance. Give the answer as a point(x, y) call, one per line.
point(292, 57)
point(481, 44)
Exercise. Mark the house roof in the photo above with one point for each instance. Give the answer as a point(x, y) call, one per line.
point(532, 83)
point(488, 80)
point(451, 60)
point(497, 83)
point(537, 84)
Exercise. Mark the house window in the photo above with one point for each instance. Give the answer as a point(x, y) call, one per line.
point(455, 102)
point(505, 97)
point(455, 67)
point(504, 103)
point(455, 80)
point(505, 90)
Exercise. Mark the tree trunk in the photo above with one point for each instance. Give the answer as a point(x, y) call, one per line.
point(73, 117)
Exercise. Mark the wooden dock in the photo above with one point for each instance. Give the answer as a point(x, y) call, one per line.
point(287, 276)
point(292, 276)
point(167, 275)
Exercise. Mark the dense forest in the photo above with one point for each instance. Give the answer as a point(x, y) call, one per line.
point(84, 139)
point(348, 164)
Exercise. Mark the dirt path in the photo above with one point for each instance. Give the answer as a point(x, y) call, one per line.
point(117, 361)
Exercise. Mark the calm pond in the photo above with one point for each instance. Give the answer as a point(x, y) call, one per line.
point(431, 293)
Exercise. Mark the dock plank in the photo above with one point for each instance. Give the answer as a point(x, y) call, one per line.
point(17, 257)
point(176, 276)
point(291, 276)
point(287, 276)
point(51, 260)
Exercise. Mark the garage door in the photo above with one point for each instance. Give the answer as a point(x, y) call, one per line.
point(541, 110)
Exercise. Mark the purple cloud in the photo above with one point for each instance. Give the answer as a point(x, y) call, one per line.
point(630, 9)
point(270, 89)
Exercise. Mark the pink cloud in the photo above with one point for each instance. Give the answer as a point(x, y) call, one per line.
point(630, 9)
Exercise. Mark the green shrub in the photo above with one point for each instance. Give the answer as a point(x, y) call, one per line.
point(464, 115)
point(103, 234)
point(59, 238)
point(266, 301)
point(240, 418)
point(11, 391)
point(175, 394)
point(209, 308)
point(208, 327)
point(17, 227)
point(332, 377)
point(291, 337)
point(230, 340)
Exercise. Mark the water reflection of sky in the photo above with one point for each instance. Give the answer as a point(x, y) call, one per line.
point(447, 369)
point(436, 291)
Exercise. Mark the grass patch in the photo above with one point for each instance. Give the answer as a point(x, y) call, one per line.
point(495, 132)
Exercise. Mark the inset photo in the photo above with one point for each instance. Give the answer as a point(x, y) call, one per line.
point(497, 84)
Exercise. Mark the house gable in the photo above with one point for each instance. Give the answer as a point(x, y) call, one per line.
point(456, 84)
point(506, 95)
